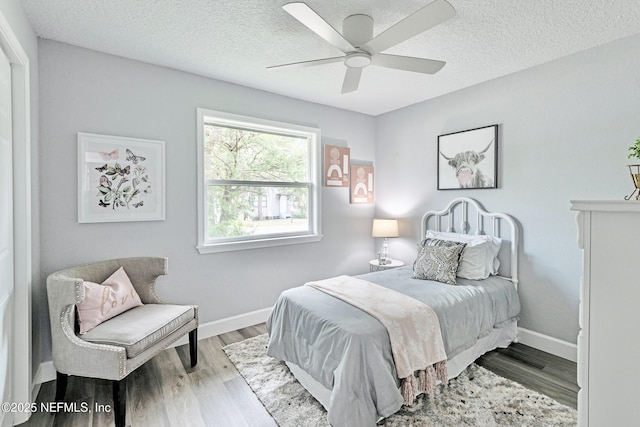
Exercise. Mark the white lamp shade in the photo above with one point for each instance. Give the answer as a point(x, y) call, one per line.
point(385, 228)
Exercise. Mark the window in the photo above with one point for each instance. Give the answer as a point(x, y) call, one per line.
point(258, 183)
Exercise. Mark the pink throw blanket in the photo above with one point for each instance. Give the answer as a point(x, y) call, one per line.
point(414, 330)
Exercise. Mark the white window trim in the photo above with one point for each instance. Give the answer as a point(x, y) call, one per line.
point(204, 245)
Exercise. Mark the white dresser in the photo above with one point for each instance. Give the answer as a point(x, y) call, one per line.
point(609, 338)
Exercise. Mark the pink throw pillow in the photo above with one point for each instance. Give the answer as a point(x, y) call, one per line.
point(104, 301)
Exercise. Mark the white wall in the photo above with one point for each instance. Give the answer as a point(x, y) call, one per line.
point(87, 91)
point(564, 129)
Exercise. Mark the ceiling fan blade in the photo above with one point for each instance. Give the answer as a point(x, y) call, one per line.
point(315, 23)
point(429, 16)
point(311, 63)
point(351, 80)
point(407, 63)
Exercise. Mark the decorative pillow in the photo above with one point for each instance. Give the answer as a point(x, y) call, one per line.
point(479, 258)
point(104, 301)
point(438, 262)
point(472, 261)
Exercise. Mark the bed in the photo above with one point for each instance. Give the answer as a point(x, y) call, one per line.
point(343, 356)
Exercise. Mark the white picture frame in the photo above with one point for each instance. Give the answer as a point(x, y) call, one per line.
point(120, 179)
point(468, 159)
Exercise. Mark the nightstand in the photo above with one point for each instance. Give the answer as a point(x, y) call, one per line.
point(375, 266)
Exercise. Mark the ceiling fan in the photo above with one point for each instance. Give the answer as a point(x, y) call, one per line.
point(362, 49)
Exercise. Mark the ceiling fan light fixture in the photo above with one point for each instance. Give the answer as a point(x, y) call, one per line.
point(361, 49)
point(357, 60)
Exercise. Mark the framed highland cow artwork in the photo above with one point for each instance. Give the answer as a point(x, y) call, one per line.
point(468, 159)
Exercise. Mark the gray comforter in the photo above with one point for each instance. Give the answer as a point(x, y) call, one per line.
point(348, 351)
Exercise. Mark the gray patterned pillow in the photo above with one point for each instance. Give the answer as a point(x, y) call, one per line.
point(438, 260)
point(432, 241)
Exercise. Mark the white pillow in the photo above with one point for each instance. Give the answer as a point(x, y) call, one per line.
point(479, 258)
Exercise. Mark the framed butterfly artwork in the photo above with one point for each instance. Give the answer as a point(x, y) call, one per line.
point(120, 179)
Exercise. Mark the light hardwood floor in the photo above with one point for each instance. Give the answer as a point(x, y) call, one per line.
point(166, 391)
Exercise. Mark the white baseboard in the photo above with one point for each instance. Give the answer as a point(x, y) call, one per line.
point(46, 371)
point(552, 345)
point(222, 326)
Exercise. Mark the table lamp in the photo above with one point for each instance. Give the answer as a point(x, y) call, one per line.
point(385, 228)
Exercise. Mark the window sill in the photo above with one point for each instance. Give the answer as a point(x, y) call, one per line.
point(256, 244)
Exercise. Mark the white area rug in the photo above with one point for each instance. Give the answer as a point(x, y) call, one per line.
point(477, 397)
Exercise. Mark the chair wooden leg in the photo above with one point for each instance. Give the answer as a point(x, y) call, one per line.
point(193, 347)
point(120, 401)
point(61, 386)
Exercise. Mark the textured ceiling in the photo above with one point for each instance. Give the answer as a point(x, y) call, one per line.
point(235, 40)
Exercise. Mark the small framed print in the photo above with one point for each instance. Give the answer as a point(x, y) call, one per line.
point(120, 179)
point(361, 184)
point(336, 166)
point(468, 159)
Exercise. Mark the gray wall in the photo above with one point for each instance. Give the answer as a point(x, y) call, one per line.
point(87, 91)
point(564, 129)
point(15, 15)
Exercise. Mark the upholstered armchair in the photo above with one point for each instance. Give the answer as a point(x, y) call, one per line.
point(116, 347)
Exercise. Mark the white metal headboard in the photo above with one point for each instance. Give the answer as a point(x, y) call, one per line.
point(464, 226)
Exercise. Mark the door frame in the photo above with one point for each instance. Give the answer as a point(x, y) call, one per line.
point(23, 269)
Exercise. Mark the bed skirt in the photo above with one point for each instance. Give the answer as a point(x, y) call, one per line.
point(498, 338)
